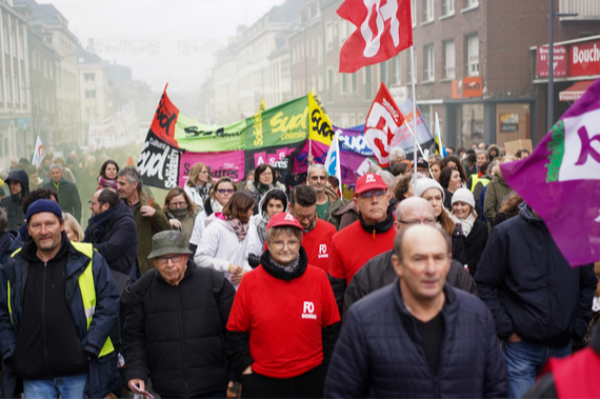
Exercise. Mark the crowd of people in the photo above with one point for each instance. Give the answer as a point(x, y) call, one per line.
point(436, 283)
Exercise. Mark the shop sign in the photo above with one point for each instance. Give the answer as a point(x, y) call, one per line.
point(509, 122)
point(560, 61)
point(472, 87)
point(584, 59)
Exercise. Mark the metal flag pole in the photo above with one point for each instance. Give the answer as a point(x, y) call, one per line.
point(414, 113)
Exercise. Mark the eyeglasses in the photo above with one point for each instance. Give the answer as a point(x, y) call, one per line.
point(225, 191)
point(180, 204)
point(163, 260)
point(279, 244)
point(94, 203)
point(372, 193)
point(305, 217)
point(418, 221)
point(318, 178)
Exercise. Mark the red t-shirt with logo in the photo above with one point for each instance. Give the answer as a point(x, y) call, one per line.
point(284, 319)
point(317, 244)
point(352, 247)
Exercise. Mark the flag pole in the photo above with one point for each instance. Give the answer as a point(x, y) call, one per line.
point(414, 97)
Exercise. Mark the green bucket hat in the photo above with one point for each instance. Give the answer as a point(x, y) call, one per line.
point(168, 242)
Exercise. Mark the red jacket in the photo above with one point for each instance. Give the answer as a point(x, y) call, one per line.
point(317, 244)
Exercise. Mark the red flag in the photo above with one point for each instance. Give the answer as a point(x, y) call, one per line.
point(382, 124)
point(163, 124)
point(384, 29)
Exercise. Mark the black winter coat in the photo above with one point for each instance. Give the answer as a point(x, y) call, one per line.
point(176, 334)
point(68, 197)
point(14, 204)
point(529, 286)
point(474, 244)
point(379, 272)
point(380, 354)
point(114, 234)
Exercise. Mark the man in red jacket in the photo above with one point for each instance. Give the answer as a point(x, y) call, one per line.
point(364, 239)
point(317, 233)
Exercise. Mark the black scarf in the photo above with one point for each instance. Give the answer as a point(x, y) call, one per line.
point(380, 226)
point(97, 224)
point(281, 273)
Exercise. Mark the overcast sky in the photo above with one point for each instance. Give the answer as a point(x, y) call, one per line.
point(169, 22)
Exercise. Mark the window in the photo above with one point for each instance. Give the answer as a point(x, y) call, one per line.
point(413, 7)
point(89, 77)
point(369, 83)
point(448, 7)
point(409, 66)
point(395, 70)
point(429, 63)
point(469, 4)
point(449, 60)
point(355, 82)
point(427, 10)
point(473, 55)
point(383, 73)
point(344, 83)
point(329, 36)
point(90, 94)
point(343, 31)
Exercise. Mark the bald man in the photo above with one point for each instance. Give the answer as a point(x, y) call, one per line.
point(379, 271)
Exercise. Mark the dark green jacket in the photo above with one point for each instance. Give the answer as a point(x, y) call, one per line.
point(146, 228)
point(68, 197)
point(335, 203)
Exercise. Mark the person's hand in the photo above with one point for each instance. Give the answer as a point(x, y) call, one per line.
point(175, 223)
point(311, 159)
point(234, 269)
point(236, 279)
point(147, 211)
point(137, 386)
point(230, 393)
point(514, 338)
point(248, 370)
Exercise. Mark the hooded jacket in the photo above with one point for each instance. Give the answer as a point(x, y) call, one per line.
point(345, 215)
point(14, 204)
point(258, 193)
point(496, 190)
point(529, 286)
point(220, 246)
point(68, 197)
point(114, 235)
point(9, 242)
point(335, 203)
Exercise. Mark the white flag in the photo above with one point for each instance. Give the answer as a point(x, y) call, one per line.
point(38, 154)
point(332, 162)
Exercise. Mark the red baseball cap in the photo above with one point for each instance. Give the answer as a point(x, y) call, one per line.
point(369, 182)
point(283, 219)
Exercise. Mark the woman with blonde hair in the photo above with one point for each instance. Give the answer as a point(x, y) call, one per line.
point(197, 186)
point(180, 211)
point(72, 228)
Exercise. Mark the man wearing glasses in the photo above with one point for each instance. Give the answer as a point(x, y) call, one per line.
point(327, 200)
point(175, 325)
point(364, 239)
point(317, 234)
point(379, 271)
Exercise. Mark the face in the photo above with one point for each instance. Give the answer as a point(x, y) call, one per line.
point(203, 176)
point(56, 175)
point(95, 205)
point(266, 178)
point(171, 267)
point(47, 162)
point(434, 197)
point(45, 229)
point(305, 215)
point(177, 202)
point(414, 215)
point(423, 170)
point(110, 171)
point(317, 179)
point(481, 158)
point(274, 207)
point(435, 171)
point(15, 188)
point(284, 248)
point(224, 192)
point(71, 234)
point(126, 189)
point(372, 205)
point(524, 154)
point(461, 209)
point(424, 266)
point(455, 182)
point(493, 153)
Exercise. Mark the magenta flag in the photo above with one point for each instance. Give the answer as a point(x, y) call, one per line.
point(561, 179)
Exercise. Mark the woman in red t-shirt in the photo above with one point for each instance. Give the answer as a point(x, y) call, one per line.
point(284, 321)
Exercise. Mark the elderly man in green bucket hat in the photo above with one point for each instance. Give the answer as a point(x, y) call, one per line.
point(175, 326)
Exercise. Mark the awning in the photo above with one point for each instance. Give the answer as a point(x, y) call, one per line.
point(574, 92)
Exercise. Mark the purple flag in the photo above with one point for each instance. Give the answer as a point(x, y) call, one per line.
point(561, 179)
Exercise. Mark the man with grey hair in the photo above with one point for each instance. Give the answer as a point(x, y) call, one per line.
point(327, 199)
point(396, 155)
point(147, 214)
point(390, 181)
point(392, 341)
point(68, 195)
point(379, 271)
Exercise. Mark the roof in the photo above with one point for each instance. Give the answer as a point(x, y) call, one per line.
point(46, 13)
point(85, 57)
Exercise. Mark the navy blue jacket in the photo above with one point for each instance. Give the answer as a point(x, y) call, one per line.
point(530, 287)
point(380, 354)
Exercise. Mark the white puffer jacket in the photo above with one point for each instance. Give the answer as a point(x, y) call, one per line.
point(220, 247)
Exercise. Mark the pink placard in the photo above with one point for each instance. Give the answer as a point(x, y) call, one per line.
point(227, 163)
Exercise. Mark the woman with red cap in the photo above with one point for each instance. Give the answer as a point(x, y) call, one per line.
point(284, 321)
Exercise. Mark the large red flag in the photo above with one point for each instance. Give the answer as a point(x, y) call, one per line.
point(382, 124)
point(384, 29)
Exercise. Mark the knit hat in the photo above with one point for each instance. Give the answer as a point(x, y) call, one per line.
point(465, 196)
point(44, 205)
point(423, 185)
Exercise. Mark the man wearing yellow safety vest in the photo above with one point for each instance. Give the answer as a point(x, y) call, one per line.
point(58, 304)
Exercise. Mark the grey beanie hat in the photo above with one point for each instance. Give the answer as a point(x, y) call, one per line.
point(423, 185)
point(465, 196)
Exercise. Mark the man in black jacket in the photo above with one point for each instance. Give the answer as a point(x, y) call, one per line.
point(538, 301)
point(18, 181)
point(175, 325)
point(68, 195)
point(113, 233)
point(379, 271)
point(418, 337)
